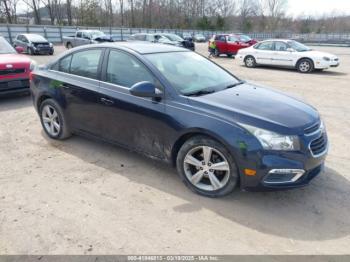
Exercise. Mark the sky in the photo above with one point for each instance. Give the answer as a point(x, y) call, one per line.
point(317, 7)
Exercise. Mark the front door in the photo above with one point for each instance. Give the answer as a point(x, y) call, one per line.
point(135, 122)
point(281, 56)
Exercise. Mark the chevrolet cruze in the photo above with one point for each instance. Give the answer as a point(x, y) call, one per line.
point(174, 105)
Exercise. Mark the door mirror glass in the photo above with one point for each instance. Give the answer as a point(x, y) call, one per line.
point(19, 49)
point(145, 89)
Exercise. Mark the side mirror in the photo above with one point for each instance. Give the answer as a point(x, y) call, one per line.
point(145, 89)
point(19, 49)
point(290, 50)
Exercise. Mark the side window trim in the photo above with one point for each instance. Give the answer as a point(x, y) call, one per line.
point(99, 68)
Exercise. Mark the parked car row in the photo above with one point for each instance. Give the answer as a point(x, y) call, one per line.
point(157, 98)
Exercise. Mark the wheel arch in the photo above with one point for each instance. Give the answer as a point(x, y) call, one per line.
point(181, 140)
point(41, 99)
point(305, 57)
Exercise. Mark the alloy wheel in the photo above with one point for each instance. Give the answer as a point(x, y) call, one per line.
point(51, 120)
point(250, 62)
point(305, 66)
point(207, 168)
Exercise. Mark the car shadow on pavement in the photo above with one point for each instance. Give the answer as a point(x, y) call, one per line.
point(15, 102)
point(318, 212)
point(327, 72)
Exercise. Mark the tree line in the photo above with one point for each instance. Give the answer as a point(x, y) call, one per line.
point(240, 15)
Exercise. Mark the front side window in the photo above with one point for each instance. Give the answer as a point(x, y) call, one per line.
point(232, 39)
point(189, 72)
point(265, 46)
point(125, 70)
point(86, 63)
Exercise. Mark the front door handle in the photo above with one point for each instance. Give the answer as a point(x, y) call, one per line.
point(107, 101)
point(65, 86)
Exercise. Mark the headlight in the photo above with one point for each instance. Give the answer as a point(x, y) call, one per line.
point(274, 141)
point(32, 66)
point(51, 45)
point(326, 59)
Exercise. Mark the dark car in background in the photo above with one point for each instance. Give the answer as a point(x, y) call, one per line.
point(163, 38)
point(14, 69)
point(174, 105)
point(229, 44)
point(34, 44)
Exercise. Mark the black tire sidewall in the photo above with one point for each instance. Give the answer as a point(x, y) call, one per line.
point(64, 131)
point(201, 141)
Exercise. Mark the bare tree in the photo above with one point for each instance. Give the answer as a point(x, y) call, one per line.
point(34, 5)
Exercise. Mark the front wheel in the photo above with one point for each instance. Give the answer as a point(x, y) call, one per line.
point(305, 66)
point(30, 51)
point(53, 120)
point(216, 52)
point(206, 167)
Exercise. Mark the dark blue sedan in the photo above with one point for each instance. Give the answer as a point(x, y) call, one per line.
point(174, 105)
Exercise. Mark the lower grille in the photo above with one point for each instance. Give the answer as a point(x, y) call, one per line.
point(12, 71)
point(319, 145)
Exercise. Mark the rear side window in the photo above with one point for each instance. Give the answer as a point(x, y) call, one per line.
point(79, 34)
point(125, 70)
point(265, 46)
point(86, 63)
point(281, 46)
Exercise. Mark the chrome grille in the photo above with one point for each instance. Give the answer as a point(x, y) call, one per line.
point(312, 129)
point(319, 145)
point(12, 71)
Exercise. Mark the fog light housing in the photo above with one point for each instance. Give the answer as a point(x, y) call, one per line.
point(283, 176)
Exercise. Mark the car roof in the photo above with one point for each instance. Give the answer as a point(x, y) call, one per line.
point(139, 47)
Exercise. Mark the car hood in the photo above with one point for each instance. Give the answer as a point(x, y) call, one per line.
point(258, 106)
point(13, 59)
point(318, 54)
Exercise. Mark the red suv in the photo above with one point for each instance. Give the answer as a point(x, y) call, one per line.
point(14, 69)
point(229, 44)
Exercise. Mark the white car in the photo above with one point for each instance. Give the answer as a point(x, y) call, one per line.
point(286, 53)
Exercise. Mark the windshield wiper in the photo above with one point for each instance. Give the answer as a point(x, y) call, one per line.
point(200, 93)
point(235, 84)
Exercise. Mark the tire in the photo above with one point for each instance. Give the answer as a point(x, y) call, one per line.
point(216, 52)
point(305, 66)
point(69, 46)
point(51, 53)
point(60, 132)
point(30, 51)
point(250, 62)
point(229, 55)
point(206, 179)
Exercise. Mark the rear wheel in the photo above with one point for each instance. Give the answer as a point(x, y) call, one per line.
point(206, 167)
point(69, 46)
point(53, 120)
point(305, 66)
point(250, 62)
point(216, 52)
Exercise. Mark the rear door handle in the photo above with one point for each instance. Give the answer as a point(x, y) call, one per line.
point(107, 101)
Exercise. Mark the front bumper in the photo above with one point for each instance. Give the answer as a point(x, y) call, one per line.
point(43, 50)
point(13, 86)
point(322, 64)
point(284, 170)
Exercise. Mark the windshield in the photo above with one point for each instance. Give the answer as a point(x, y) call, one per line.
point(245, 38)
point(298, 46)
point(173, 37)
point(189, 72)
point(5, 47)
point(36, 38)
point(200, 36)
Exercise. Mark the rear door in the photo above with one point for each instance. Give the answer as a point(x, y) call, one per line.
point(134, 122)
point(220, 41)
point(77, 78)
point(264, 53)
